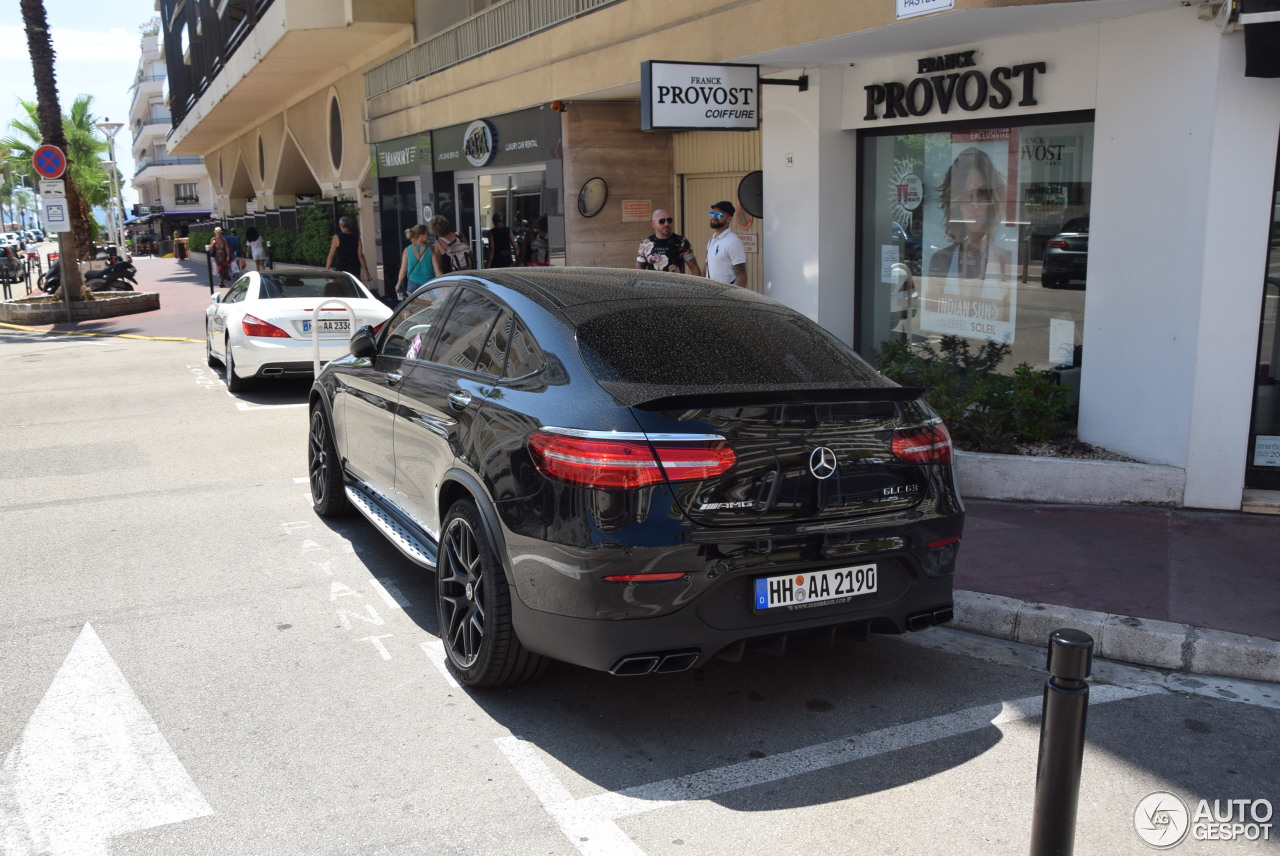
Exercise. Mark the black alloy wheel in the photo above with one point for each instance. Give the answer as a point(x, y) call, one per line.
point(235, 383)
point(328, 488)
point(473, 604)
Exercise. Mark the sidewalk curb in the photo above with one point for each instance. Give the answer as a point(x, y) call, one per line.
point(1142, 641)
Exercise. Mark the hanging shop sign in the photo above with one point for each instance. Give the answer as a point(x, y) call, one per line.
point(699, 96)
point(953, 83)
point(402, 156)
point(526, 136)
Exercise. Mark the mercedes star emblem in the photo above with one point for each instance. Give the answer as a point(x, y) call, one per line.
point(822, 463)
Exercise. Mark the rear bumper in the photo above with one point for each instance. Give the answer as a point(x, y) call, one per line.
point(685, 640)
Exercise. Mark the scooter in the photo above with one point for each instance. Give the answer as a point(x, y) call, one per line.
point(116, 276)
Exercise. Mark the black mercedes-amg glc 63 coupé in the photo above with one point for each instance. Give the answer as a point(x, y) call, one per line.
point(635, 471)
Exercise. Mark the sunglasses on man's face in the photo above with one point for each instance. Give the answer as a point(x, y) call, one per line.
point(716, 214)
point(665, 220)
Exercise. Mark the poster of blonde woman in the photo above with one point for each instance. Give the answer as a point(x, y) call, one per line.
point(970, 284)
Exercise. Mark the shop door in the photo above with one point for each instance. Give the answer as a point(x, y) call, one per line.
point(468, 224)
point(1263, 469)
point(700, 193)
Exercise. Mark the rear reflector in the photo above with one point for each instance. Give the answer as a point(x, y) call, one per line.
point(257, 327)
point(926, 444)
point(1057, 245)
point(625, 464)
point(644, 578)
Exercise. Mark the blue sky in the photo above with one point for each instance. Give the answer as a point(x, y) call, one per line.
point(97, 45)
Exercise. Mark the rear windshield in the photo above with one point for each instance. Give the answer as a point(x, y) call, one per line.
point(718, 344)
point(308, 285)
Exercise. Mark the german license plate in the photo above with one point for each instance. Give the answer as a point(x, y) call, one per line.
point(328, 326)
point(835, 585)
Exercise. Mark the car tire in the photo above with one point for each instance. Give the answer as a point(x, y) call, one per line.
point(324, 469)
point(235, 383)
point(473, 605)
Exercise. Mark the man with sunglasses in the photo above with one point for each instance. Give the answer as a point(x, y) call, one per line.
point(726, 257)
point(664, 249)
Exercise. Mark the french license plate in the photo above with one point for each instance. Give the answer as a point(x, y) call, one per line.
point(328, 326)
point(814, 587)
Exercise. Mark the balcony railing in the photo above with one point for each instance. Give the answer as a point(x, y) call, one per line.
point(169, 160)
point(498, 25)
point(195, 60)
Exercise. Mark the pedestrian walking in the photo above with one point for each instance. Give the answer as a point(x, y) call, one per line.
point(726, 257)
point(257, 247)
point(502, 244)
point(345, 253)
point(416, 266)
point(449, 251)
point(220, 250)
point(665, 249)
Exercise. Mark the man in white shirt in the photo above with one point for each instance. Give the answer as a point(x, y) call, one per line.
point(726, 257)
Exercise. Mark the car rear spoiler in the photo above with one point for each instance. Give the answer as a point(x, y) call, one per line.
point(736, 398)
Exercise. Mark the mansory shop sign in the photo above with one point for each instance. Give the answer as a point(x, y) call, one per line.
point(682, 95)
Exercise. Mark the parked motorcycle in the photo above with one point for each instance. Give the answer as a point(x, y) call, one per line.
point(116, 276)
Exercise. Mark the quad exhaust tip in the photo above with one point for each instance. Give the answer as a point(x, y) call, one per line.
point(659, 663)
point(925, 620)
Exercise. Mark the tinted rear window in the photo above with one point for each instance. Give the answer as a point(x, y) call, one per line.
point(718, 345)
point(308, 285)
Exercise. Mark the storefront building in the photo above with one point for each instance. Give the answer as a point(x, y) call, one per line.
point(1092, 184)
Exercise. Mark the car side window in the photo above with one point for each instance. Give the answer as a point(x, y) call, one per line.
point(465, 331)
point(411, 330)
point(236, 293)
point(524, 357)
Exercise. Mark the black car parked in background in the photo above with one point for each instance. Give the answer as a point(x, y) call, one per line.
point(635, 471)
point(1066, 255)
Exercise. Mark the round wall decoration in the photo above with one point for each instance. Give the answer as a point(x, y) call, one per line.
point(480, 142)
point(751, 193)
point(592, 196)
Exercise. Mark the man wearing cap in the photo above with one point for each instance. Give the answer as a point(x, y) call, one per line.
point(664, 249)
point(726, 257)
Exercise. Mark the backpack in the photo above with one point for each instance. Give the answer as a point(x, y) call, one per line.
point(457, 252)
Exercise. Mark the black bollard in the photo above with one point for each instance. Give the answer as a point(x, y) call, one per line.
point(1066, 704)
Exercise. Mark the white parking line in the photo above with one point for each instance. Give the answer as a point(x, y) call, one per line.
point(589, 822)
point(434, 649)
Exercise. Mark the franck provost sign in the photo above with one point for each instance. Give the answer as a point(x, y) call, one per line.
point(677, 96)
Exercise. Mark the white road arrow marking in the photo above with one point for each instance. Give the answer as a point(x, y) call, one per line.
point(90, 765)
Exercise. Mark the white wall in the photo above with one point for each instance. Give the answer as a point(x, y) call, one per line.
point(1184, 152)
point(809, 164)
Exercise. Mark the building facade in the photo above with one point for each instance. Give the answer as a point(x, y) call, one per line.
point(173, 191)
point(1091, 183)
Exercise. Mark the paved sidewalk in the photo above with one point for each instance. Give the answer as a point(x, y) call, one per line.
point(1168, 588)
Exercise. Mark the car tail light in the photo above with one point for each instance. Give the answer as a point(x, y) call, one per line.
point(924, 444)
point(627, 463)
point(1057, 245)
point(257, 327)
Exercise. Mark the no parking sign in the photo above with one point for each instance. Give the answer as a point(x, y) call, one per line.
point(49, 161)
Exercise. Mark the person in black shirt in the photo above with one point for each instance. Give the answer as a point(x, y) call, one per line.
point(664, 249)
point(345, 252)
point(502, 244)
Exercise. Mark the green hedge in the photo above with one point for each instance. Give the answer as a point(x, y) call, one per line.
point(985, 411)
point(309, 245)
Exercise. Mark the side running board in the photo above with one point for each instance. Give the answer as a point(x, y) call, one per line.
point(406, 539)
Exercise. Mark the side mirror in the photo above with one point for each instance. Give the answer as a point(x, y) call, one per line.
point(215, 298)
point(363, 342)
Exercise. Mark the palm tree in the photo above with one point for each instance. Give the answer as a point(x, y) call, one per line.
point(84, 149)
point(40, 47)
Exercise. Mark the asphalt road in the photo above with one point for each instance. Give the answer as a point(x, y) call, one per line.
point(194, 663)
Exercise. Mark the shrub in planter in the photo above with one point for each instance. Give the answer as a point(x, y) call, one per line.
point(985, 411)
